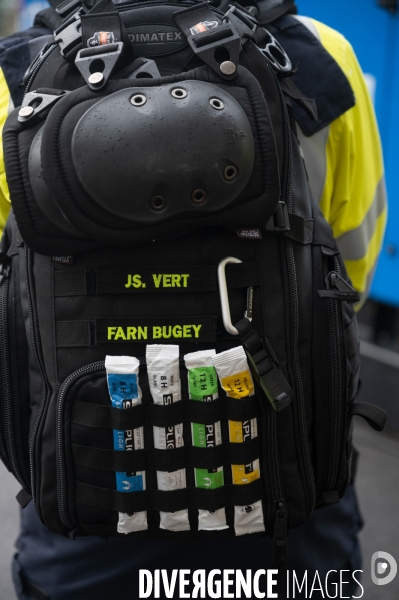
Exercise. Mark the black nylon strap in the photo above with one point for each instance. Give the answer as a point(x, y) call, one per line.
point(167, 460)
point(93, 23)
point(349, 296)
point(374, 415)
point(188, 17)
point(178, 278)
point(104, 17)
point(107, 530)
point(264, 362)
point(23, 497)
point(98, 415)
point(268, 12)
point(308, 104)
point(170, 501)
point(48, 18)
point(301, 230)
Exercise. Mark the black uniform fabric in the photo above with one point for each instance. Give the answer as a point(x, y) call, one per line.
point(314, 66)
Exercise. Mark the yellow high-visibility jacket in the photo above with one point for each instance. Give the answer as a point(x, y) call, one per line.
point(344, 163)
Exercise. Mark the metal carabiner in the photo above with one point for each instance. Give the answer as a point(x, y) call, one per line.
point(224, 296)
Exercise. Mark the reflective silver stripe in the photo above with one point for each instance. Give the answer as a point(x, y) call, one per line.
point(314, 147)
point(309, 24)
point(315, 157)
point(354, 243)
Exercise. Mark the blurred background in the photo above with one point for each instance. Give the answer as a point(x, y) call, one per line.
point(372, 27)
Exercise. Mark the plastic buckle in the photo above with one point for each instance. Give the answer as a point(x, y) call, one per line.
point(274, 224)
point(276, 55)
point(206, 45)
point(66, 7)
point(105, 58)
point(148, 69)
point(244, 23)
point(35, 102)
point(69, 34)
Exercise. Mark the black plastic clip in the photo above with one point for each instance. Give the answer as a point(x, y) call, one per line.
point(35, 103)
point(273, 382)
point(338, 289)
point(265, 366)
point(275, 54)
point(244, 23)
point(219, 48)
point(96, 64)
point(147, 68)
point(280, 220)
point(69, 34)
point(66, 7)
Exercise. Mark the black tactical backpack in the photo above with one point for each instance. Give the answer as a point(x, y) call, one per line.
point(159, 197)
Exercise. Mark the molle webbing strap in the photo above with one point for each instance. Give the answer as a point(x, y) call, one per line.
point(132, 280)
point(172, 460)
point(172, 500)
point(184, 411)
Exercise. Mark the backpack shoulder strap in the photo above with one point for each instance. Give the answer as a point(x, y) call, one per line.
point(48, 18)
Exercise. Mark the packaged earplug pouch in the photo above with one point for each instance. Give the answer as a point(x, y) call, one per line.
point(236, 380)
point(124, 390)
point(165, 386)
point(203, 387)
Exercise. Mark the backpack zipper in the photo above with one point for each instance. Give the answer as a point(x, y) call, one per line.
point(294, 320)
point(32, 445)
point(273, 460)
point(62, 483)
point(121, 8)
point(6, 379)
point(336, 381)
point(33, 69)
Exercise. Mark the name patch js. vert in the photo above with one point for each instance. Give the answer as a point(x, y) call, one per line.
point(156, 279)
point(125, 331)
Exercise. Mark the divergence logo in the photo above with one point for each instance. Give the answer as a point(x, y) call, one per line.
point(383, 568)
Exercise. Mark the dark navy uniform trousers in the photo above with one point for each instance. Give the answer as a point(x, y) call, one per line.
point(101, 569)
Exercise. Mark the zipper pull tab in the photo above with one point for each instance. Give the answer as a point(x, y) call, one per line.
point(280, 529)
point(338, 289)
point(5, 266)
point(335, 281)
point(280, 546)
